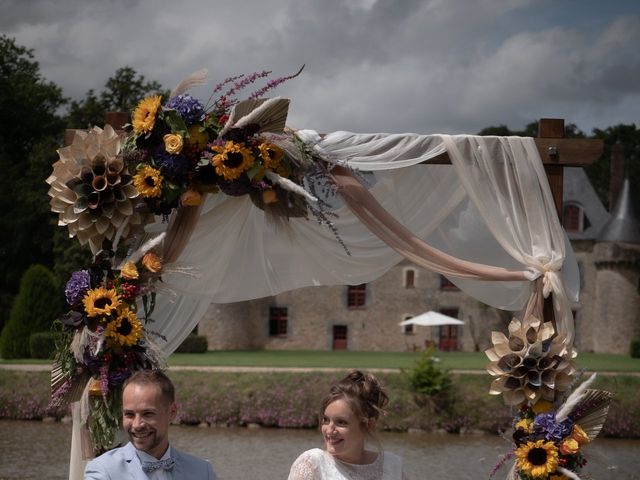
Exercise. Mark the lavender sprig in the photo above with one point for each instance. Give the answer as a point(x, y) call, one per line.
point(503, 459)
point(246, 81)
point(273, 84)
point(219, 86)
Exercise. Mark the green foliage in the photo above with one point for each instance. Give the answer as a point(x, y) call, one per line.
point(634, 349)
point(628, 137)
point(193, 344)
point(30, 130)
point(37, 305)
point(428, 377)
point(69, 255)
point(42, 344)
point(121, 93)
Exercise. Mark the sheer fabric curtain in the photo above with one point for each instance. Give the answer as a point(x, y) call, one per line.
point(514, 200)
point(492, 207)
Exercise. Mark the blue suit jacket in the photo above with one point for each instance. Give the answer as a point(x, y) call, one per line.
point(123, 464)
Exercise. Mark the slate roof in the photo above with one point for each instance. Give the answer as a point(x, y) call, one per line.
point(577, 189)
point(624, 225)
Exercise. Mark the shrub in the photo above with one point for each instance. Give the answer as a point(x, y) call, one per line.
point(635, 349)
point(42, 344)
point(37, 305)
point(193, 344)
point(428, 377)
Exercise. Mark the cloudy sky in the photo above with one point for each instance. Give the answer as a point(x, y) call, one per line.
point(424, 66)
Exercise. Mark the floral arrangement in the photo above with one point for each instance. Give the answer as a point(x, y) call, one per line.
point(533, 367)
point(107, 186)
point(106, 337)
point(183, 149)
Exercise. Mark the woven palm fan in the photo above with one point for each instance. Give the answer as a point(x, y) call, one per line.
point(78, 384)
point(269, 114)
point(591, 411)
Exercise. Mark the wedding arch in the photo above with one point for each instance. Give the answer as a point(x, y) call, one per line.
point(483, 210)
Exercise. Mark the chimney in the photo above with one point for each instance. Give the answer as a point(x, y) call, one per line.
point(616, 174)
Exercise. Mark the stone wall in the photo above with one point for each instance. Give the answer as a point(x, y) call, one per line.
point(313, 312)
point(607, 313)
point(617, 297)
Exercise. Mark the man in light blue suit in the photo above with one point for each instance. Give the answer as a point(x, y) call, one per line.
point(148, 407)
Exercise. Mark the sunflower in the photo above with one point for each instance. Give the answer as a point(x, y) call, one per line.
point(100, 301)
point(537, 459)
point(232, 159)
point(271, 156)
point(148, 181)
point(125, 330)
point(144, 116)
point(524, 424)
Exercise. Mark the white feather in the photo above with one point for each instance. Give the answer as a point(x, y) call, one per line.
point(568, 473)
point(146, 246)
point(289, 185)
point(572, 400)
point(196, 78)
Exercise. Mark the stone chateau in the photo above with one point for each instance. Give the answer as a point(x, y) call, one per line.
point(366, 317)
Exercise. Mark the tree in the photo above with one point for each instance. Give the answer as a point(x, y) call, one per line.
point(38, 304)
point(30, 130)
point(122, 93)
point(627, 136)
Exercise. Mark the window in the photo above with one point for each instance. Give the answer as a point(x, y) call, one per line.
point(356, 295)
point(278, 320)
point(408, 329)
point(445, 284)
point(409, 278)
point(572, 217)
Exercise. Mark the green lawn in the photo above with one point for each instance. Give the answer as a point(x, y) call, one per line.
point(343, 359)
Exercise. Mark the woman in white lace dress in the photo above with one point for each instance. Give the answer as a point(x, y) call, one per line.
point(349, 415)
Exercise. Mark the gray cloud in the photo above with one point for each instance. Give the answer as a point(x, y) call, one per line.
point(424, 66)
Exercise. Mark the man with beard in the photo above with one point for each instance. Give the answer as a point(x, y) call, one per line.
point(148, 407)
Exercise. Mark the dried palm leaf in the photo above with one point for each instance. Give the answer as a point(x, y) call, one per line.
point(592, 411)
point(270, 115)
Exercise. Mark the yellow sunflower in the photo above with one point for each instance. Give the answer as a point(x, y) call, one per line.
point(100, 301)
point(148, 182)
point(232, 159)
point(125, 330)
point(525, 424)
point(144, 116)
point(537, 459)
point(271, 156)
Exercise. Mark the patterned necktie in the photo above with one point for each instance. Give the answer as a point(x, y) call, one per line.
point(166, 464)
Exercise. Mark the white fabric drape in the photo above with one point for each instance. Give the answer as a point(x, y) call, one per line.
point(493, 206)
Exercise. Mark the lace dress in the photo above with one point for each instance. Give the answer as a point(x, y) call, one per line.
point(316, 464)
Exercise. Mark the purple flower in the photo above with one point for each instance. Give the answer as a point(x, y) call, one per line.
point(77, 286)
point(173, 167)
point(546, 424)
point(189, 108)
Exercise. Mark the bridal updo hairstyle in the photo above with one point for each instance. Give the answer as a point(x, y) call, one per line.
point(363, 392)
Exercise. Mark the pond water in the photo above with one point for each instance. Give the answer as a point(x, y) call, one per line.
point(35, 450)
